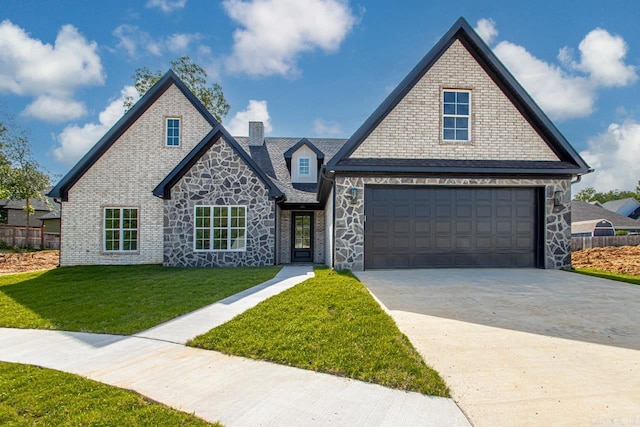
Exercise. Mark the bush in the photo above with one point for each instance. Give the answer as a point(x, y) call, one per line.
point(621, 232)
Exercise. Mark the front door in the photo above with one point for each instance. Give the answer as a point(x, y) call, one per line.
point(302, 237)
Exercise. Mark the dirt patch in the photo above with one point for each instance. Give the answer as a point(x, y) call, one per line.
point(622, 259)
point(28, 261)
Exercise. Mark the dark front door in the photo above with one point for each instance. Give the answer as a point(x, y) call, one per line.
point(302, 237)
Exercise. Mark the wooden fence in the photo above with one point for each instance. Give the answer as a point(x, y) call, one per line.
point(15, 236)
point(578, 243)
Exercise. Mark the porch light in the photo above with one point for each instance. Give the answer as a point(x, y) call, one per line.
point(354, 194)
point(557, 199)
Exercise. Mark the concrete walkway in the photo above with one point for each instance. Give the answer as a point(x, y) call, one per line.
point(183, 328)
point(216, 387)
point(523, 347)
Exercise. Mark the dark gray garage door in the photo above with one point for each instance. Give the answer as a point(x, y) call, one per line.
point(414, 227)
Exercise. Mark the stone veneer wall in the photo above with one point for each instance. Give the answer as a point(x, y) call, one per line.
point(318, 242)
point(219, 177)
point(349, 221)
point(125, 176)
point(412, 130)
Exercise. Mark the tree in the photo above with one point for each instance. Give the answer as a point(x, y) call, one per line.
point(21, 176)
point(589, 194)
point(586, 194)
point(193, 76)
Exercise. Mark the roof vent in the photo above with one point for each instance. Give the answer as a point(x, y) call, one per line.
point(256, 134)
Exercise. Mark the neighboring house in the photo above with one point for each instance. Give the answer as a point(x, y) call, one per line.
point(457, 168)
point(12, 212)
point(584, 211)
point(592, 228)
point(628, 207)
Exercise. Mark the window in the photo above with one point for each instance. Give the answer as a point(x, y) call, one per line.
point(456, 108)
point(220, 228)
point(304, 167)
point(120, 229)
point(173, 132)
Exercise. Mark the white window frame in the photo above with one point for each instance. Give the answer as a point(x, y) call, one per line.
point(455, 116)
point(166, 132)
point(121, 230)
point(308, 166)
point(211, 228)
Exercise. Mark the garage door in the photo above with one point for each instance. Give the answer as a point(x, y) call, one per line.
point(418, 227)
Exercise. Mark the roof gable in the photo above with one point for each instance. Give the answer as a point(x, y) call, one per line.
point(88, 160)
point(304, 141)
point(163, 189)
point(461, 31)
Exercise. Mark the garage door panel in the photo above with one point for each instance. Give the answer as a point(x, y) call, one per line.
point(450, 227)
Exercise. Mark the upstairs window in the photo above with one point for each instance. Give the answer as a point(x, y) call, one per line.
point(304, 167)
point(120, 229)
point(173, 132)
point(456, 115)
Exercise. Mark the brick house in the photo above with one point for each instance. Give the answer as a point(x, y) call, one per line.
point(458, 167)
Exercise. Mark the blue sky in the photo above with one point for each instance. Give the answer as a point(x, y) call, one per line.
point(316, 67)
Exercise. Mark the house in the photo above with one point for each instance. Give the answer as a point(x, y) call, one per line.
point(592, 228)
point(458, 167)
point(628, 207)
point(12, 212)
point(584, 211)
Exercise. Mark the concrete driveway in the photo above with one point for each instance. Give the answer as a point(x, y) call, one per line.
point(523, 347)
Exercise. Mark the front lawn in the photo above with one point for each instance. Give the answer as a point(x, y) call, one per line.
point(628, 278)
point(329, 324)
point(30, 395)
point(116, 299)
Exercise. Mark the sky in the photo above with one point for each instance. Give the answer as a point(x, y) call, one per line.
point(316, 68)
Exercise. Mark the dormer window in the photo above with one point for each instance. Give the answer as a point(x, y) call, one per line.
point(173, 132)
point(304, 168)
point(456, 115)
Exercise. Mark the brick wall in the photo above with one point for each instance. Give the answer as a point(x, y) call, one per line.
point(413, 128)
point(125, 177)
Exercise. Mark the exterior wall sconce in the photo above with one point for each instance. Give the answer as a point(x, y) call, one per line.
point(557, 199)
point(353, 194)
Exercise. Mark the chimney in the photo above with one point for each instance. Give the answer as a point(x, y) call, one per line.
point(256, 134)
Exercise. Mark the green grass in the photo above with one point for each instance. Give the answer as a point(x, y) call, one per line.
point(329, 324)
point(31, 396)
point(116, 299)
point(628, 278)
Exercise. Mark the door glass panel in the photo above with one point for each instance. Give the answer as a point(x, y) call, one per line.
point(303, 232)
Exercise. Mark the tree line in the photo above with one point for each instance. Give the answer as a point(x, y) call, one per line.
point(589, 194)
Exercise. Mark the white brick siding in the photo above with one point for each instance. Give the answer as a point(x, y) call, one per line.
point(125, 176)
point(413, 128)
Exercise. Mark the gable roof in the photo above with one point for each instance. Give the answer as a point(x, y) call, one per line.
point(62, 188)
point(270, 158)
point(571, 161)
point(304, 141)
point(616, 205)
point(163, 189)
point(584, 211)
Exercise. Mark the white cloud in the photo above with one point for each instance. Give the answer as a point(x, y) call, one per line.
point(561, 95)
point(486, 28)
point(602, 57)
point(29, 67)
point(74, 141)
point(569, 90)
point(615, 155)
point(322, 128)
point(135, 41)
point(179, 42)
point(55, 109)
point(275, 32)
point(167, 5)
point(256, 111)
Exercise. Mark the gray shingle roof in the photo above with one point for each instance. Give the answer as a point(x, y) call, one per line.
point(583, 211)
point(615, 205)
point(270, 158)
